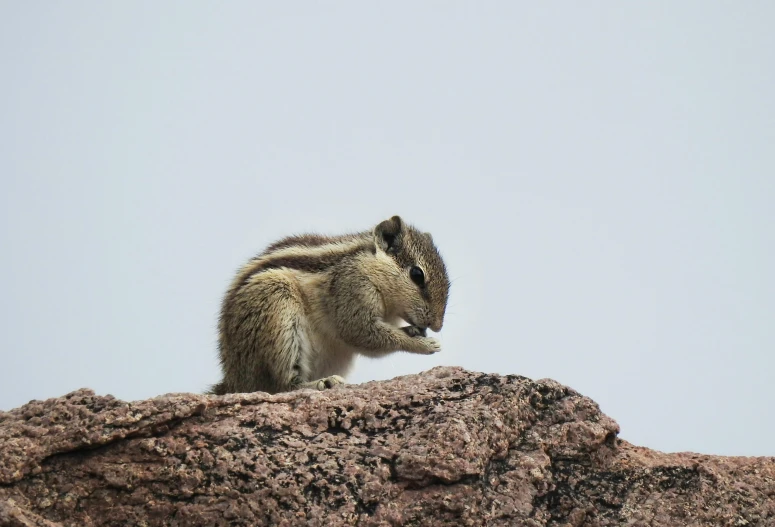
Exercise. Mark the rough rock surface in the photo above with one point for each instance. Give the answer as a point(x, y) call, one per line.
point(446, 447)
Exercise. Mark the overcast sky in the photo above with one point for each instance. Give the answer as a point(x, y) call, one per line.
point(600, 179)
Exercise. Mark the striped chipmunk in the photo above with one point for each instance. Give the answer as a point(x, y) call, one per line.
point(296, 314)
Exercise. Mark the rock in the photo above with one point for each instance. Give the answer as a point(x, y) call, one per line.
point(446, 447)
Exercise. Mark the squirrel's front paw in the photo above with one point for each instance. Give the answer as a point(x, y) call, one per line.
point(429, 345)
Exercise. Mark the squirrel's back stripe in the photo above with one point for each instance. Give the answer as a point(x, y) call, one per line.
point(311, 240)
point(304, 253)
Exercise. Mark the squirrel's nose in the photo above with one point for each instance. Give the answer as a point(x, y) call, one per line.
point(436, 324)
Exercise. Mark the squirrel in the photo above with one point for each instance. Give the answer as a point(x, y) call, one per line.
point(296, 315)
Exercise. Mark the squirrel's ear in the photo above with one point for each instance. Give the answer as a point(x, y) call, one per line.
point(388, 234)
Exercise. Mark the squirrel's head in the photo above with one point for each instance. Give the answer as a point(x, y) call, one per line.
point(418, 287)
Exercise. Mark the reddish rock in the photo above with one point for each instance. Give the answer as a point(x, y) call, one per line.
point(446, 447)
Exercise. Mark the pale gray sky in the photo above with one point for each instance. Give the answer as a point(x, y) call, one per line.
point(600, 178)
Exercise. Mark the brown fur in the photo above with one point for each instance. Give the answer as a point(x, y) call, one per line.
point(296, 314)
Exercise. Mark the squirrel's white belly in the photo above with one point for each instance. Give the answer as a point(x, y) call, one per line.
point(325, 353)
point(328, 355)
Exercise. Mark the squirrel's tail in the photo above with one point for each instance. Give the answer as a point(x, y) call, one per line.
point(217, 389)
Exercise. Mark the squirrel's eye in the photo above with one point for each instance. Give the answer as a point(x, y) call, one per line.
point(417, 276)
